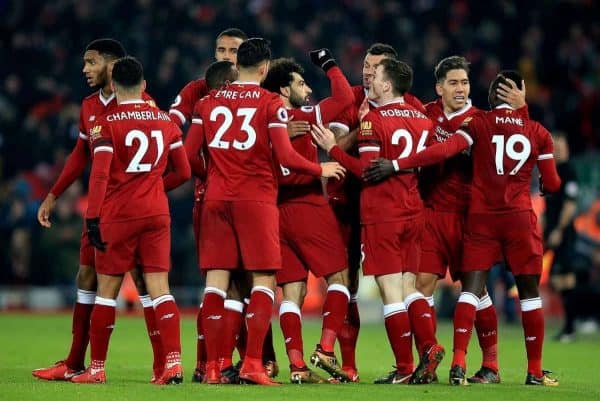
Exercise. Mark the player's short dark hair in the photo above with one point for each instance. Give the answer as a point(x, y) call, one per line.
point(233, 32)
point(514, 75)
point(378, 49)
point(253, 51)
point(218, 73)
point(107, 47)
point(399, 73)
point(127, 72)
point(280, 74)
point(450, 63)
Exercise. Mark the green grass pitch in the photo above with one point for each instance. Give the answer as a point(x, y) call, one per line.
point(29, 341)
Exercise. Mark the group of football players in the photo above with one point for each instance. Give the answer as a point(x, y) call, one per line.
point(267, 212)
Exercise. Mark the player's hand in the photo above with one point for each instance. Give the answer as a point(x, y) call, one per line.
point(378, 170)
point(555, 238)
point(322, 58)
point(297, 128)
point(43, 214)
point(324, 137)
point(363, 109)
point(332, 170)
point(512, 95)
point(93, 232)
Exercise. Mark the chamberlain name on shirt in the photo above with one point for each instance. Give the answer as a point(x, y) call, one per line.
point(138, 115)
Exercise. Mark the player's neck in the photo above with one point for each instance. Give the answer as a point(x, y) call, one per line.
point(387, 99)
point(124, 96)
point(106, 91)
point(246, 76)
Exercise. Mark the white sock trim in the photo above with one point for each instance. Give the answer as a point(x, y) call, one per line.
point(86, 297)
point(146, 301)
point(430, 301)
point(215, 290)
point(340, 288)
point(469, 298)
point(232, 304)
point(530, 304)
point(410, 298)
point(264, 289)
point(106, 302)
point(162, 299)
point(392, 309)
point(289, 307)
point(484, 302)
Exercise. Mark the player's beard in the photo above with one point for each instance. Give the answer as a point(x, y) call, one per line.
point(297, 100)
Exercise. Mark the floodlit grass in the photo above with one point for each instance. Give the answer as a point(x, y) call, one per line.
point(30, 341)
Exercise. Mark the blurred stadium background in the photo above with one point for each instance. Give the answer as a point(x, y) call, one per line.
point(554, 44)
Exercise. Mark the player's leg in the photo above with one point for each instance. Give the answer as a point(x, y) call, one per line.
point(101, 327)
point(425, 284)
point(200, 370)
point(397, 326)
point(473, 283)
point(486, 326)
point(168, 323)
point(232, 323)
point(532, 316)
point(213, 309)
point(151, 324)
point(86, 296)
point(258, 318)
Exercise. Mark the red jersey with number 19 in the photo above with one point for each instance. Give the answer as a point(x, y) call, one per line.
point(140, 138)
point(507, 148)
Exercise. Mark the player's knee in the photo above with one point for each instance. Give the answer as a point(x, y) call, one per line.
point(86, 278)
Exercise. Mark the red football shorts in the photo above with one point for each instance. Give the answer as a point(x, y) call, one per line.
point(442, 243)
point(145, 242)
point(244, 233)
point(392, 247)
point(310, 240)
point(86, 250)
point(512, 237)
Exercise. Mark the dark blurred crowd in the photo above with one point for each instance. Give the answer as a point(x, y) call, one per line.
point(555, 45)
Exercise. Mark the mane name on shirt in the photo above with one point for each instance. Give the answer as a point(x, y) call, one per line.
point(229, 94)
point(509, 120)
point(138, 115)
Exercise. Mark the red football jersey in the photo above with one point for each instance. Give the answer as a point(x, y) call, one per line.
point(505, 149)
point(446, 186)
point(183, 106)
point(394, 130)
point(236, 123)
point(92, 108)
point(140, 138)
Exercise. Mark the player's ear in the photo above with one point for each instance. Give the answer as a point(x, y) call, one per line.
point(113, 87)
point(438, 89)
point(285, 91)
point(143, 85)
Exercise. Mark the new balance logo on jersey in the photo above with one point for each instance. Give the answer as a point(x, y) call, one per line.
point(92, 118)
point(461, 330)
point(167, 316)
point(249, 315)
point(213, 317)
point(531, 338)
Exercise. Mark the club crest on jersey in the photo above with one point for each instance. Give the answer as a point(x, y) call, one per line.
point(92, 118)
point(282, 115)
point(366, 128)
point(95, 132)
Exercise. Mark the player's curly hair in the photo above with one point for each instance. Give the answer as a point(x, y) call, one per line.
point(399, 73)
point(253, 52)
point(280, 74)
